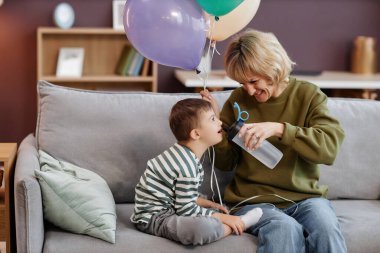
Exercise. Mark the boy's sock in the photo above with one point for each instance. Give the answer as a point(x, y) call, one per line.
point(251, 217)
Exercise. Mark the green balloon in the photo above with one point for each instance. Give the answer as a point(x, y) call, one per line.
point(219, 7)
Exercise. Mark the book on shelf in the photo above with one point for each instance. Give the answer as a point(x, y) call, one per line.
point(145, 68)
point(132, 63)
point(1, 174)
point(122, 62)
point(132, 67)
point(135, 68)
point(125, 60)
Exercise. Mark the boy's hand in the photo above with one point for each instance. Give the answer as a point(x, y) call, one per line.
point(206, 95)
point(234, 222)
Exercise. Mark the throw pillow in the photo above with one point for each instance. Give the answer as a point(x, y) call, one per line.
point(76, 199)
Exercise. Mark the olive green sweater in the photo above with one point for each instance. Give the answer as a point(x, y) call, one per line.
point(311, 137)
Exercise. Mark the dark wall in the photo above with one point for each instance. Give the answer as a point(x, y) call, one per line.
point(316, 34)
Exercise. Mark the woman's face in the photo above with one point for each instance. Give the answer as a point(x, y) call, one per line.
point(261, 88)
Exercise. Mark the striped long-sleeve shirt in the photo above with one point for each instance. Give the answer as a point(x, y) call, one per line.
point(171, 180)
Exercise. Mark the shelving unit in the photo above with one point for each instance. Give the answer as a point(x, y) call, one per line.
point(8, 153)
point(2, 208)
point(102, 46)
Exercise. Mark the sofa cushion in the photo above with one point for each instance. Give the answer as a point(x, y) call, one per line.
point(359, 221)
point(129, 239)
point(76, 199)
point(113, 134)
point(355, 218)
point(356, 170)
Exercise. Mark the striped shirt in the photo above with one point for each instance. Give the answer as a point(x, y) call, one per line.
point(171, 180)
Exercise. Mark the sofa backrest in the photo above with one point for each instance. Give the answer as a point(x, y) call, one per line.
point(356, 170)
point(115, 134)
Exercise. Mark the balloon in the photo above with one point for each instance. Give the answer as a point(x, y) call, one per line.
point(234, 21)
point(219, 7)
point(169, 32)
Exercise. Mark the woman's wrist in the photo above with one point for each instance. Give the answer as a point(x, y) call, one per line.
point(279, 130)
point(205, 203)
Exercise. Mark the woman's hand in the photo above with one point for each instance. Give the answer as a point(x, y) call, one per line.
point(206, 95)
point(219, 207)
point(210, 204)
point(254, 134)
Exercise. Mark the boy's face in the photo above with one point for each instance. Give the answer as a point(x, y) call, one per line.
point(210, 128)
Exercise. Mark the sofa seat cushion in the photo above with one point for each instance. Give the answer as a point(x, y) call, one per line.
point(359, 220)
point(360, 223)
point(129, 239)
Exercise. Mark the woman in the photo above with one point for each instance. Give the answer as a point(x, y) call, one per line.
point(292, 115)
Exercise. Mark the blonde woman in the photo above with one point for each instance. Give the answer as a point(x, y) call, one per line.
point(291, 114)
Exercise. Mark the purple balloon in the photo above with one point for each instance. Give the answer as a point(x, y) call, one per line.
point(169, 32)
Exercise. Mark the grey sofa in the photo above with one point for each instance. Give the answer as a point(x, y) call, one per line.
point(114, 134)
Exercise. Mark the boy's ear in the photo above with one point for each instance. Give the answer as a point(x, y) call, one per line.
point(194, 134)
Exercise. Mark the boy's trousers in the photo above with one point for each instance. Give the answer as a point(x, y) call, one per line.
point(187, 230)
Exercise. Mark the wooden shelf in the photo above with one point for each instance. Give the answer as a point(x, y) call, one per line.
point(327, 80)
point(2, 210)
point(101, 79)
point(81, 31)
point(103, 48)
point(8, 153)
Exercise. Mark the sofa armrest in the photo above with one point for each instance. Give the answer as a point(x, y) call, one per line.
point(28, 201)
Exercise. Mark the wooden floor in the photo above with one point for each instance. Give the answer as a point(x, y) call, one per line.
point(2, 247)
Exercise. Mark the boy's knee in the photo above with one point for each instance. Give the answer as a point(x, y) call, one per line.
point(200, 231)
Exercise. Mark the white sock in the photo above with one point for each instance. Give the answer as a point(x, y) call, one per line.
point(251, 217)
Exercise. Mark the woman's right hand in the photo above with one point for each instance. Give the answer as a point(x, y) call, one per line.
point(206, 95)
point(254, 134)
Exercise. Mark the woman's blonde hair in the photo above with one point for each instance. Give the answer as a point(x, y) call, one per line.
point(257, 53)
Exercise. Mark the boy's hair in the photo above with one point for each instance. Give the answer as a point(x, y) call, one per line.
point(185, 116)
point(259, 53)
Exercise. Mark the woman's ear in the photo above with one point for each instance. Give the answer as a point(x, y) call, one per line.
point(194, 134)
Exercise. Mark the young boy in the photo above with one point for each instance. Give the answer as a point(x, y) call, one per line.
point(167, 202)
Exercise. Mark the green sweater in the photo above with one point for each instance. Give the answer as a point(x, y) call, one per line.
point(311, 137)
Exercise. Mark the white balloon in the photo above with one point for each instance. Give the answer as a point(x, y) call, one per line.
point(233, 21)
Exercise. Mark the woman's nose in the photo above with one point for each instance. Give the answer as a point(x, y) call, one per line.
point(251, 90)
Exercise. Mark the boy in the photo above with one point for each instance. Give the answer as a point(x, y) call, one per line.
point(167, 202)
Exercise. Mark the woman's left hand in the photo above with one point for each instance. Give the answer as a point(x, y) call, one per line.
point(219, 207)
point(206, 95)
point(255, 133)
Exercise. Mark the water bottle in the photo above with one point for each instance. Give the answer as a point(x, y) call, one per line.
point(267, 154)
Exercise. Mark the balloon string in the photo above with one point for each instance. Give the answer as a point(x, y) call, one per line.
point(216, 50)
point(208, 62)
